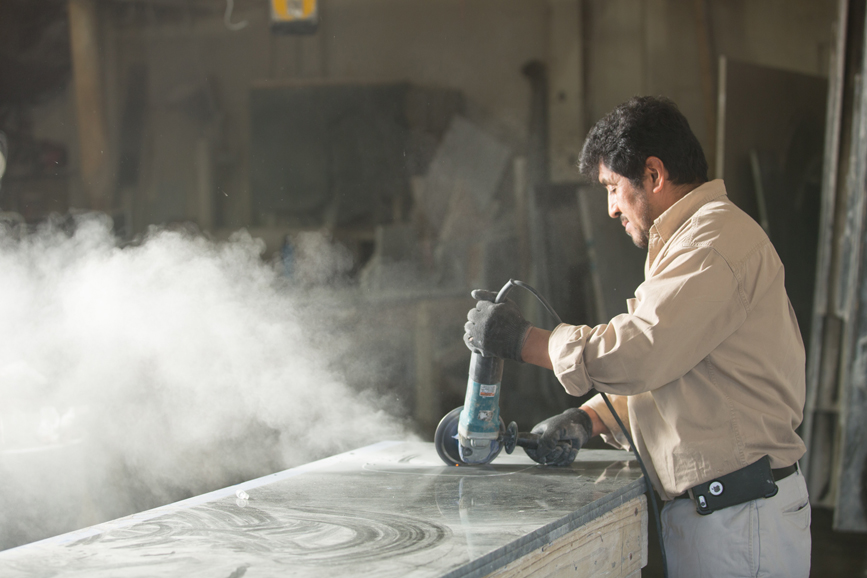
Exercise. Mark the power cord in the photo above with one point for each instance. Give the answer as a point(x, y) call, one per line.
point(632, 447)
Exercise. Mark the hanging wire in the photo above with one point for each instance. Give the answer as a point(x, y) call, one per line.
point(650, 495)
point(227, 18)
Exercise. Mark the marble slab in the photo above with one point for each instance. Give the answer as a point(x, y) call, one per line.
point(388, 510)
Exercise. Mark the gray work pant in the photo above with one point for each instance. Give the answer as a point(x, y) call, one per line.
point(765, 538)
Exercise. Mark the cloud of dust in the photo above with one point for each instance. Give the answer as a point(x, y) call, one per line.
point(177, 365)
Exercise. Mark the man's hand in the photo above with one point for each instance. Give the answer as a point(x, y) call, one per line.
point(561, 437)
point(495, 329)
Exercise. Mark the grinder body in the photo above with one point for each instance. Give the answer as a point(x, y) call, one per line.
point(474, 434)
point(479, 427)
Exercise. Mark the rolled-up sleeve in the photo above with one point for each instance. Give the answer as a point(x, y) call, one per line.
point(566, 349)
point(676, 319)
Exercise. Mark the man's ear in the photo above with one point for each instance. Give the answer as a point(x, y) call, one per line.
point(655, 169)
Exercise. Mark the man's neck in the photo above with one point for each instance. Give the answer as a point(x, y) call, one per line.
point(680, 191)
point(673, 194)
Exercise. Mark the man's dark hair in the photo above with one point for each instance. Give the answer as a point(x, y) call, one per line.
point(642, 127)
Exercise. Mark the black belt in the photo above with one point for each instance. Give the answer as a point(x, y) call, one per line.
point(741, 486)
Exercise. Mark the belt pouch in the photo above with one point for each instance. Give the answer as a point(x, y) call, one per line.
point(744, 485)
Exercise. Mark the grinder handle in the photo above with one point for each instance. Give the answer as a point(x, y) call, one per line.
point(512, 437)
point(527, 440)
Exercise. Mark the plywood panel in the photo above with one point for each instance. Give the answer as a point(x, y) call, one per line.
point(612, 545)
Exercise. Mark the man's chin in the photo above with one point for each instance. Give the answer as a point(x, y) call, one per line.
point(639, 241)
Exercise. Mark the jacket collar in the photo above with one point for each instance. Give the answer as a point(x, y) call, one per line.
point(667, 224)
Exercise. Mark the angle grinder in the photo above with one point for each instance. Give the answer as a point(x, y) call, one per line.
point(474, 434)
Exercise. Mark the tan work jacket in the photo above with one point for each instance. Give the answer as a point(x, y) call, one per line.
point(707, 366)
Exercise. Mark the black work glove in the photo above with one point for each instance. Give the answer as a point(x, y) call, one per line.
point(561, 437)
point(495, 329)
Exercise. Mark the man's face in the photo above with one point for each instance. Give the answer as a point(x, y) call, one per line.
point(629, 204)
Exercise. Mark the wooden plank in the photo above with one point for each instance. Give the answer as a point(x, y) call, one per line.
point(566, 92)
point(850, 506)
point(592, 254)
point(613, 545)
point(719, 156)
point(437, 330)
point(522, 226)
point(707, 55)
point(849, 457)
point(826, 331)
point(90, 110)
point(427, 402)
point(204, 200)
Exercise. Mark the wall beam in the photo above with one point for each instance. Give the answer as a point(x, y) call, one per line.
point(90, 107)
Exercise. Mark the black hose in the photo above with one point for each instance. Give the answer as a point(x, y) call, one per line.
point(632, 447)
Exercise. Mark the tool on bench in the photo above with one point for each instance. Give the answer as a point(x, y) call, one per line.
point(474, 434)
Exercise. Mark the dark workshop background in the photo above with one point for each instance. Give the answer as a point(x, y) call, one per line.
point(432, 144)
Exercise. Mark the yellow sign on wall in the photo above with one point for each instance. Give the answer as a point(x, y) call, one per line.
point(294, 16)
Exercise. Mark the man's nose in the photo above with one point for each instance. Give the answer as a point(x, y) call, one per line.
point(613, 210)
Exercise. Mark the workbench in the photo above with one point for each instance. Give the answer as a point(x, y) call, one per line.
point(389, 509)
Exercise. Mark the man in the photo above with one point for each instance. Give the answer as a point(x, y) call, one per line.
point(706, 369)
